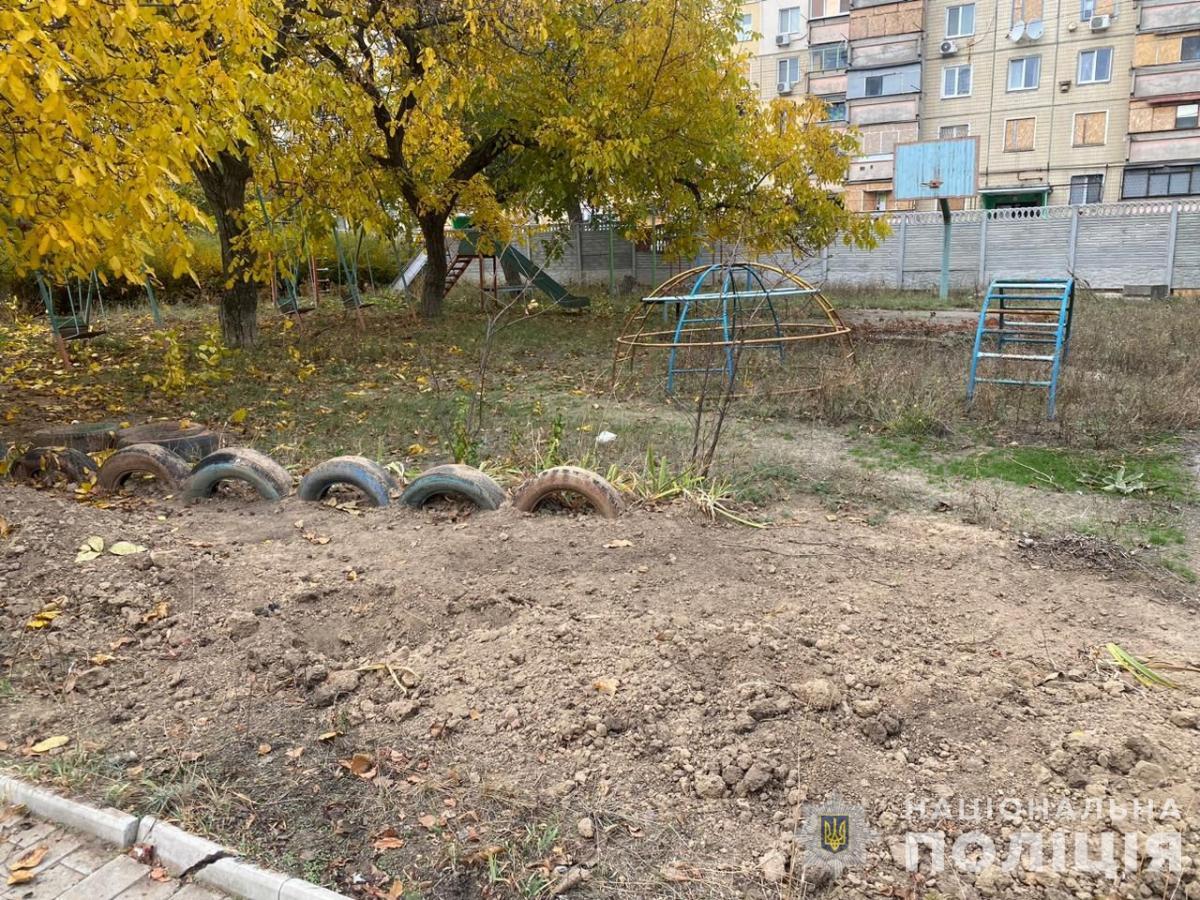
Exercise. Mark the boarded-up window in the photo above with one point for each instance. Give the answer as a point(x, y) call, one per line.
point(1018, 134)
point(1027, 10)
point(1090, 128)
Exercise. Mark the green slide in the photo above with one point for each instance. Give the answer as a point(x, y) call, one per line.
point(532, 273)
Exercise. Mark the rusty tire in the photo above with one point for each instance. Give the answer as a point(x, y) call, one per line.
point(48, 465)
point(192, 442)
point(168, 468)
point(597, 491)
point(87, 437)
point(456, 481)
point(268, 478)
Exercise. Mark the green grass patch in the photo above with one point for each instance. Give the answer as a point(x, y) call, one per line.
point(1144, 473)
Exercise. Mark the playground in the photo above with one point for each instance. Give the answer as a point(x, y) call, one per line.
point(454, 754)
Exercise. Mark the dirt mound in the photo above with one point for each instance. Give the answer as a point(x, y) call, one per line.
point(506, 705)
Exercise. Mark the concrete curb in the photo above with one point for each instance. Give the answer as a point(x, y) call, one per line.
point(179, 851)
point(109, 825)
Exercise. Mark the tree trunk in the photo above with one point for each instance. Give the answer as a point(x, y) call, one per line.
point(433, 291)
point(224, 181)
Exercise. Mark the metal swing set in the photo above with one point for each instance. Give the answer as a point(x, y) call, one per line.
point(75, 320)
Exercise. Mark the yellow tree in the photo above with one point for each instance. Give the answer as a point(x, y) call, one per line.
point(105, 110)
point(641, 108)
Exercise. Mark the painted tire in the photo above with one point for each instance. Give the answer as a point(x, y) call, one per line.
point(47, 465)
point(192, 442)
point(88, 437)
point(267, 477)
point(457, 481)
point(169, 469)
point(366, 476)
point(598, 492)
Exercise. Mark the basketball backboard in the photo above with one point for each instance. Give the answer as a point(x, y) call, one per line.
point(937, 170)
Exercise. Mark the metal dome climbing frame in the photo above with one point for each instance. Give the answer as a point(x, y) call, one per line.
point(722, 310)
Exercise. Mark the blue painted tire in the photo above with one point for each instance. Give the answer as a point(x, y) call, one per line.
point(269, 479)
point(455, 481)
point(366, 476)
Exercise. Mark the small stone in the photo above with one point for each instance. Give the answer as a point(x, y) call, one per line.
point(586, 828)
point(818, 693)
point(773, 865)
point(241, 624)
point(1186, 718)
point(1148, 773)
point(709, 786)
point(337, 685)
point(399, 710)
point(864, 709)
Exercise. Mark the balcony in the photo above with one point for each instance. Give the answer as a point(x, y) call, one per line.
point(1177, 79)
point(1169, 15)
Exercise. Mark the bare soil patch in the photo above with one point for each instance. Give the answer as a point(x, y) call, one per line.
point(510, 705)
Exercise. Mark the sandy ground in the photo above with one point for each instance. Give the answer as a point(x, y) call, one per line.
point(429, 705)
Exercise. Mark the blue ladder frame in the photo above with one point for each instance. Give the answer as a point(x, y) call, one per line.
point(1044, 308)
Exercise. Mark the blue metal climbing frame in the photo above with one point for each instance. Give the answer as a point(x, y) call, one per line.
point(1029, 312)
point(701, 312)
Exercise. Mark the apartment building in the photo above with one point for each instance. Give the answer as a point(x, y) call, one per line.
point(1074, 101)
point(1044, 84)
point(1164, 108)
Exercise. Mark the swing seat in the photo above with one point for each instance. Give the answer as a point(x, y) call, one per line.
point(292, 310)
point(73, 328)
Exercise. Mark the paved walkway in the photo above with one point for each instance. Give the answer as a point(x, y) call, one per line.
point(79, 868)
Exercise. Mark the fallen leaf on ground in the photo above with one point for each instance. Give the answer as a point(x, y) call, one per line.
point(295, 753)
point(43, 617)
point(329, 735)
point(313, 538)
point(620, 542)
point(606, 685)
point(31, 859)
point(5, 527)
point(388, 843)
point(360, 764)
point(20, 876)
point(427, 821)
point(238, 416)
point(159, 611)
point(90, 549)
point(264, 749)
point(125, 548)
point(677, 870)
point(50, 743)
point(158, 873)
point(101, 659)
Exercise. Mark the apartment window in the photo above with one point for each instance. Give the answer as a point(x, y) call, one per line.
point(1018, 134)
point(956, 81)
point(1190, 47)
point(835, 109)
point(960, 20)
point(827, 57)
point(745, 27)
point(1086, 189)
point(873, 86)
point(1024, 72)
point(790, 21)
point(1026, 10)
point(1167, 181)
point(1089, 8)
point(1187, 115)
point(1095, 66)
point(820, 8)
point(876, 201)
point(1090, 129)
point(789, 70)
point(949, 132)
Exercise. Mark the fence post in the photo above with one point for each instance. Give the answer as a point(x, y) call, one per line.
point(824, 263)
point(900, 264)
point(578, 229)
point(1171, 248)
point(981, 281)
point(1073, 241)
point(612, 271)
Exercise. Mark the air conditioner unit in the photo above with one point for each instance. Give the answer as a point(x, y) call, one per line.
point(1100, 23)
point(784, 87)
point(948, 48)
point(782, 40)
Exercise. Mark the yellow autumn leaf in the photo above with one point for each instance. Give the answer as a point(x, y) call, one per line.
point(239, 415)
point(50, 743)
point(125, 548)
